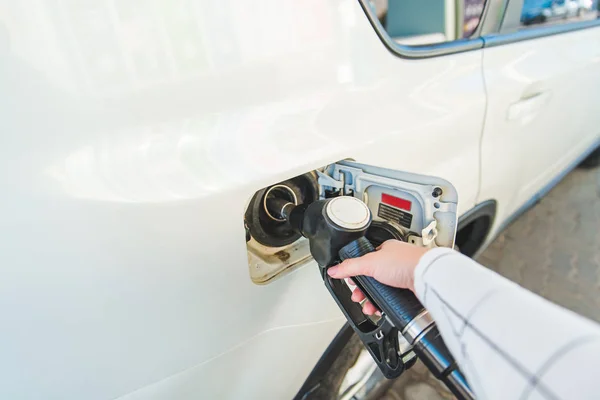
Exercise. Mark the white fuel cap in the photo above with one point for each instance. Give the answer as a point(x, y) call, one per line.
point(348, 212)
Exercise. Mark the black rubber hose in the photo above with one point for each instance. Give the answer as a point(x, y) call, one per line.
point(432, 351)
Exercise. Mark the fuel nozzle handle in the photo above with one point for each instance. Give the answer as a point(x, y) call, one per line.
point(336, 231)
point(407, 313)
point(400, 305)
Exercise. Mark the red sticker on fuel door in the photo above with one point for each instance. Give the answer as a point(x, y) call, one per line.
point(396, 202)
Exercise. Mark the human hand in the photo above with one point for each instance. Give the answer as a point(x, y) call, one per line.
point(393, 264)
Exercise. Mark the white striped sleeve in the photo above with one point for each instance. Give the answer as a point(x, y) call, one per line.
point(509, 342)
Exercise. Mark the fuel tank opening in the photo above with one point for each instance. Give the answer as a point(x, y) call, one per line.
point(278, 194)
point(268, 228)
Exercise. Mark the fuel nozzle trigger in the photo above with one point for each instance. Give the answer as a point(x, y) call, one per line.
point(379, 336)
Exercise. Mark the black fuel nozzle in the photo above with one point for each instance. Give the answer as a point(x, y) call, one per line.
point(279, 208)
point(288, 211)
point(336, 229)
point(329, 224)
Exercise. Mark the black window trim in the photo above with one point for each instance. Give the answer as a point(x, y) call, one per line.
point(463, 45)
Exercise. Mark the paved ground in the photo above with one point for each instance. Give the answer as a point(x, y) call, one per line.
point(553, 249)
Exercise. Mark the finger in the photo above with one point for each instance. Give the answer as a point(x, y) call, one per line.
point(351, 284)
point(354, 266)
point(369, 308)
point(357, 295)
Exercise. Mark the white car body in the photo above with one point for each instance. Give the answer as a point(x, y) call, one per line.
point(135, 134)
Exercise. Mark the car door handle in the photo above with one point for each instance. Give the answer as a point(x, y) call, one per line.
point(527, 106)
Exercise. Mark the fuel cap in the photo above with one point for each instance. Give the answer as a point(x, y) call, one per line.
point(348, 213)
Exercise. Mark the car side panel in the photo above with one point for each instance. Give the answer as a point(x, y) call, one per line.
point(540, 117)
point(134, 135)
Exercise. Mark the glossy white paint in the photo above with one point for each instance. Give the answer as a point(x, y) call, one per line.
point(134, 134)
point(543, 96)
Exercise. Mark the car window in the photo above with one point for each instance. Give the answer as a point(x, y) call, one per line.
point(420, 22)
point(552, 12)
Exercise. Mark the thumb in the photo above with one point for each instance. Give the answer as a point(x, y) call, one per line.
point(354, 266)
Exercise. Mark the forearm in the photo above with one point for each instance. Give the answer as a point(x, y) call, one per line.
point(508, 341)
